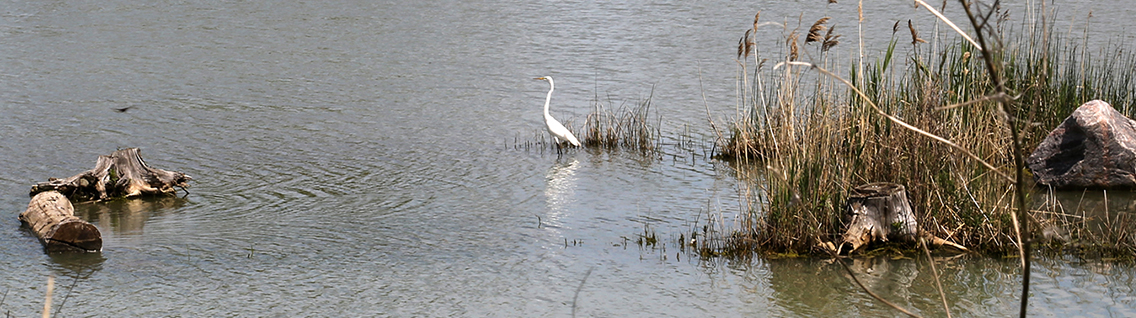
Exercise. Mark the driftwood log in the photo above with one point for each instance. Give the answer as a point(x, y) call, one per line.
point(119, 175)
point(880, 212)
point(52, 218)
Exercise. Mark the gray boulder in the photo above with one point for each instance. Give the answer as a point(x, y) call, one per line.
point(1093, 148)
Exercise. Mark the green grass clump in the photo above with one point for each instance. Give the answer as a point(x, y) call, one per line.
point(628, 127)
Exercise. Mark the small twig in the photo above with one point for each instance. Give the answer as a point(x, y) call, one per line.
point(940, 241)
point(707, 105)
point(865, 288)
point(938, 284)
point(5, 297)
point(995, 97)
point(578, 288)
point(68, 295)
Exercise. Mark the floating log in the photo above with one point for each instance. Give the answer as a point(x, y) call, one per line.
point(119, 175)
point(52, 218)
point(880, 212)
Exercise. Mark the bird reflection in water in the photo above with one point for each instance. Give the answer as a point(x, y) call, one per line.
point(560, 189)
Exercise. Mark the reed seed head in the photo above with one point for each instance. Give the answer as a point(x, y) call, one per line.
point(741, 45)
point(748, 42)
point(792, 42)
point(829, 39)
point(914, 35)
point(814, 31)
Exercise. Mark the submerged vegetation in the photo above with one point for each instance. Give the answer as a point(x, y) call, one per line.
point(815, 138)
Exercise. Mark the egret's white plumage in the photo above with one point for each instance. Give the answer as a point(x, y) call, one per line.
point(555, 128)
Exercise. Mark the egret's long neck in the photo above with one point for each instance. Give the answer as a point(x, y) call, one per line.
point(548, 99)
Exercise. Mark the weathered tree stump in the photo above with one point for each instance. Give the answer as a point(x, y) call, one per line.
point(122, 174)
point(880, 212)
point(51, 216)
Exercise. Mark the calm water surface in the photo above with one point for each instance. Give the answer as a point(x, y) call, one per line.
point(358, 158)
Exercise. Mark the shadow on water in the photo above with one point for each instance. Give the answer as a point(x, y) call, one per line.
point(71, 270)
point(80, 265)
point(127, 216)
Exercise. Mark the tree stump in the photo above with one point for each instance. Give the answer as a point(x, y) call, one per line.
point(52, 218)
point(122, 174)
point(878, 212)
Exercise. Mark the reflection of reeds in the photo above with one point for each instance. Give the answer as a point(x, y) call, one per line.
point(1074, 225)
point(815, 141)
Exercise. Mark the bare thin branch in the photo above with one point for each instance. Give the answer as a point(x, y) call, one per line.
point(578, 288)
point(707, 105)
point(938, 284)
point(1020, 226)
point(949, 23)
point(995, 97)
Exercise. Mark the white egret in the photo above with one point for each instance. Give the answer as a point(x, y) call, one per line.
point(555, 128)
